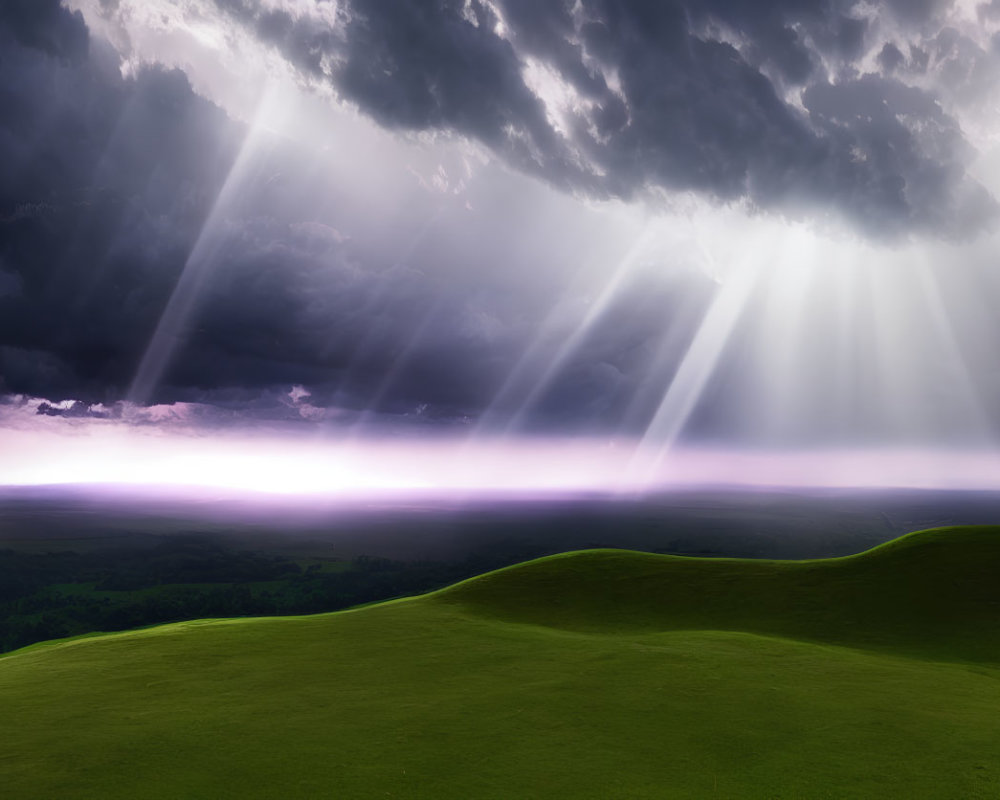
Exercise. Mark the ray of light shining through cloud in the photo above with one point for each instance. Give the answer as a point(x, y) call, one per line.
point(183, 300)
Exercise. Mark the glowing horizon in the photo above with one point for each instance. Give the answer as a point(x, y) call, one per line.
point(464, 468)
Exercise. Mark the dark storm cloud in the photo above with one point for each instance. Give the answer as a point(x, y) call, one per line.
point(883, 161)
point(106, 184)
point(287, 303)
point(420, 66)
point(674, 95)
point(890, 58)
point(46, 26)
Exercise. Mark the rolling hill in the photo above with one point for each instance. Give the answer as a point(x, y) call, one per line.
point(593, 674)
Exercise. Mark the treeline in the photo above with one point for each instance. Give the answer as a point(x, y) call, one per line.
point(55, 595)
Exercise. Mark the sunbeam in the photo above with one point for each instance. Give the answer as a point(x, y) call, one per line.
point(375, 306)
point(176, 316)
point(529, 386)
point(959, 381)
point(785, 352)
point(695, 370)
point(699, 362)
point(392, 371)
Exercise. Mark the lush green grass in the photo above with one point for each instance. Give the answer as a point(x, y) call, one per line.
point(601, 674)
point(932, 593)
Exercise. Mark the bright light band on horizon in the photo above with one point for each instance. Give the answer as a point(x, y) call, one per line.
point(450, 468)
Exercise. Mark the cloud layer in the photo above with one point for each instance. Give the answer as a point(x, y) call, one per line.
point(800, 107)
point(109, 183)
point(447, 296)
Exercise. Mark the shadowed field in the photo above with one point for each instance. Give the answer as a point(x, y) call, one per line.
point(592, 674)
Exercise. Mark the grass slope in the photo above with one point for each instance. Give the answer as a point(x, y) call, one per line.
point(932, 593)
point(582, 676)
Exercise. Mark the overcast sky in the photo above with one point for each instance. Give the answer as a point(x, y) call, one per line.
point(756, 224)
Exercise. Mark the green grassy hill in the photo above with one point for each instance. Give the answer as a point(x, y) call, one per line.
point(933, 593)
point(600, 674)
